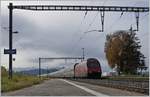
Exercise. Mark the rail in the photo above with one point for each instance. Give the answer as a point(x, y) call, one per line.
point(132, 85)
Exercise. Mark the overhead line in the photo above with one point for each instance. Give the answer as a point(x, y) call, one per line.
point(52, 58)
point(86, 30)
point(89, 24)
point(117, 20)
point(141, 18)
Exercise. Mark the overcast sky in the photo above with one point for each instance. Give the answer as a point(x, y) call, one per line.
point(58, 34)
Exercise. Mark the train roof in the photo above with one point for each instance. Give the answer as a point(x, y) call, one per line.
point(92, 59)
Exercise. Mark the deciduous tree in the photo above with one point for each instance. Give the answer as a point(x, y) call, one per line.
point(122, 48)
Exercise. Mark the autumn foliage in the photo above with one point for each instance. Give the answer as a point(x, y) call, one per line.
point(122, 49)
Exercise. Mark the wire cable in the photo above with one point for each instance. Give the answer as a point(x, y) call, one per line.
point(117, 20)
point(83, 34)
point(141, 19)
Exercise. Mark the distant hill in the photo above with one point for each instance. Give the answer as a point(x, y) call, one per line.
point(18, 69)
point(36, 71)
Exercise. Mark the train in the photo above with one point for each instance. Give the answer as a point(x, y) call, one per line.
point(89, 68)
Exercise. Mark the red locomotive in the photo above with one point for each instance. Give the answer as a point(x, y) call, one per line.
point(88, 69)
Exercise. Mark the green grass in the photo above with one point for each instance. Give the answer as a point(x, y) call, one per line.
point(17, 82)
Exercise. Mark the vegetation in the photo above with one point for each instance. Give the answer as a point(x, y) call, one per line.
point(19, 81)
point(123, 51)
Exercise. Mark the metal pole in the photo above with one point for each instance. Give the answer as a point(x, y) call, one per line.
point(47, 72)
point(10, 38)
point(137, 20)
point(83, 53)
point(102, 20)
point(39, 67)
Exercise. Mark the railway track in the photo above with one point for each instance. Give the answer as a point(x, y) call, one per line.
point(130, 85)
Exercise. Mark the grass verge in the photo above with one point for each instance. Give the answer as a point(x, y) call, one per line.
point(17, 82)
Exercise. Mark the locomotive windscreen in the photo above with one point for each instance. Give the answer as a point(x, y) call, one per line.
point(93, 63)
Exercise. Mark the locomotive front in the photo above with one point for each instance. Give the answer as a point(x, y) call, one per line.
point(88, 69)
point(94, 68)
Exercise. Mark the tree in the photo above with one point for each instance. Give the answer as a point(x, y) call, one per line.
point(122, 48)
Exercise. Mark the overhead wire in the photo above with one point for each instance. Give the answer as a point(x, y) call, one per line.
point(79, 29)
point(83, 34)
point(21, 46)
point(80, 38)
point(16, 43)
point(90, 25)
point(141, 19)
point(5, 29)
point(118, 19)
point(115, 22)
point(85, 14)
point(94, 20)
